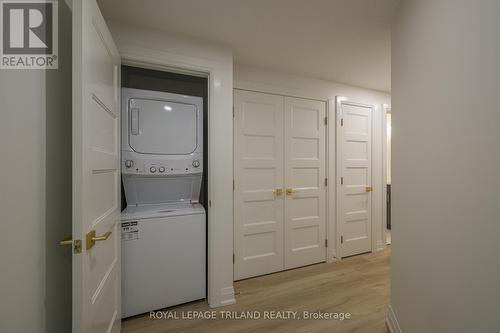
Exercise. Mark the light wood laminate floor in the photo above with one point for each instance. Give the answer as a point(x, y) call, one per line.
point(358, 285)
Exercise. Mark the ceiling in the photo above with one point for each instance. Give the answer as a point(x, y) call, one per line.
point(346, 41)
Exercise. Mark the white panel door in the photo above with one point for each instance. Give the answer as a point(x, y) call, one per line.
point(354, 152)
point(258, 168)
point(305, 210)
point(96, 173)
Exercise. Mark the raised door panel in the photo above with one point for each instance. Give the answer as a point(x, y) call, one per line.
point(258, 167)
point(305, 210)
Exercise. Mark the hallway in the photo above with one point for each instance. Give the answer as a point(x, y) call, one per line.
point(358, 285)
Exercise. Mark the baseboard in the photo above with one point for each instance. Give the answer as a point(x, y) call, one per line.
point(392, 322)
point(226, 297)
point(380, 246)
point(332, 257)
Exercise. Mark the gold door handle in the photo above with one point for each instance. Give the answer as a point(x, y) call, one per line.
point(368, 189)
point(92, 238)
point(278, 191)
point(66, 241)
point(290, 191)
point(76, 244)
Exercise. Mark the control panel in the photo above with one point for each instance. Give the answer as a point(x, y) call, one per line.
point(161, 167)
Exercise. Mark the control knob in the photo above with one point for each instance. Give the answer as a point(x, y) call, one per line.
point(196, 163)
point(161, 169)
point(152, 169)
point(129, 163)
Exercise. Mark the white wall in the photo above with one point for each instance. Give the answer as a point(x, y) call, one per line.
point(251, 78)
point(21, 185)
point(35, 278)
point(161, 50)
point(446, 166)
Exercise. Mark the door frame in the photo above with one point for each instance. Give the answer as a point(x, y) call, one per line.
point(376, 194)
point(220, 290)
point(386, 109)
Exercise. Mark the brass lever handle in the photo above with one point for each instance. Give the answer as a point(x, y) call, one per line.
point(103, 237)
point(278, 191)
point(368, 189)
point(290, 191)
point(66, 241)
point(92, 238)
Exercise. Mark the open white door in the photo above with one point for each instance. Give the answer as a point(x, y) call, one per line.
point(354, 177)
point(96, 173)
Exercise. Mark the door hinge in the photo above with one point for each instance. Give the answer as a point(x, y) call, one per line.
point(77, 246)
point(234, 185)
point(326, 181)
point(326, 242)
point(209, 203)
point(326, 121)
point(341, 180)
point(233, 111)
point(341, 121)
point(234, 258)
point(341, 239)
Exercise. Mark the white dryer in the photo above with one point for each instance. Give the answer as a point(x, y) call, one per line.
point(163, 226)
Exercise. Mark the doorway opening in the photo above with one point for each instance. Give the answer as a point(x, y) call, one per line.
point(164, 189)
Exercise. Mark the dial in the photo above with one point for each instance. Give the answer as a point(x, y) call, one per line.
point(129, 163)
point(196, 163)
point(152, 169)
point(161, 169)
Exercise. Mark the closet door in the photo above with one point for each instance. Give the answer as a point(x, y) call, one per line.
point(258, 198)
point(354, 166)
point(305, 210)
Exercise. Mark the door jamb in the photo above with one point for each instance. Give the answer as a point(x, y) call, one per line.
point(386, 108)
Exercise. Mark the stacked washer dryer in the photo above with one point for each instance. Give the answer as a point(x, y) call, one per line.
point(163, 225)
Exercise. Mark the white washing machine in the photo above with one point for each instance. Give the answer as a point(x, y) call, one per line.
point(163, 256)
point(163, 226)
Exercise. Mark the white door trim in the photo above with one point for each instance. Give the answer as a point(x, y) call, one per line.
point(378, 135)
point(331, 192)
point(392, 321)
point(386, 108)
point(220, 214)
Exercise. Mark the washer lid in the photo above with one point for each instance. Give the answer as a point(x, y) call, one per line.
point(162, 210)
